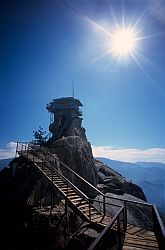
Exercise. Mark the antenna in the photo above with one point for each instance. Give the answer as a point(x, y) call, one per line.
point(73, 89)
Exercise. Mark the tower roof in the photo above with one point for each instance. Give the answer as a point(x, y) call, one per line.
point(67, 100)
point(63, 103)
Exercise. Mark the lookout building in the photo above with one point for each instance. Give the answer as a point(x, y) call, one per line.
point(66, 117)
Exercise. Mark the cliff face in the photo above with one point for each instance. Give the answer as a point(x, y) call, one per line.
point(28, 218)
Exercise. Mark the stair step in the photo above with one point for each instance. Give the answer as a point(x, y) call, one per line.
point(57, 179)
point(77, 203)
point(76, 199)
point(93, 212)
point(73, 196)
point(83, 205)
point(70, 192)
point(50, 176)
point(97, 218)
point(59, 186)
point(60, 182)
point(48, 170)
point(65, 190)
point(86, 208)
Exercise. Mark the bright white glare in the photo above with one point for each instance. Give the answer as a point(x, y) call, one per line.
point(123, 42)
point(120, 42)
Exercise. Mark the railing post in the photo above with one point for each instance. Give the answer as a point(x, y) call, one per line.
point(42, 165)
point(67, 188)
point(66, 217)
point(89, 210)
point(125, 216)
point(41, 193)
point(25, 150)
point(16, 150)
point(153, 219)
point(119, 245)
point(104, 205)
point(54, 163)
point(52, 191)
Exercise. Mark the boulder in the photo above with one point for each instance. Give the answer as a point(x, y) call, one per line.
point(116, 183)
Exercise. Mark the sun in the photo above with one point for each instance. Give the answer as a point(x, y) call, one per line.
point(123, 42)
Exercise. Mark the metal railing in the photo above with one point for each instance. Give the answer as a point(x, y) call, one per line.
point(148, 214)
point(112, 235)
point(158, 228)
point(68, 175)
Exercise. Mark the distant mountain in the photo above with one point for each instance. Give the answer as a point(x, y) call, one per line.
point(150, 176)
point(4, 163)
point(151, 164)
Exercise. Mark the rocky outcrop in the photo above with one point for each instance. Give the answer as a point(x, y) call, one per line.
point(77, 155)
point(112, 182)
point(69, 141)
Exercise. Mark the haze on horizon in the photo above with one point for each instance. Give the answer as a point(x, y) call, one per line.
point(46, 46)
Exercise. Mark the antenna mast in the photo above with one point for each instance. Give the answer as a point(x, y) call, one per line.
point(73, 89)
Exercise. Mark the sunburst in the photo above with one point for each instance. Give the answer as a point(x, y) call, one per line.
point(123, 42)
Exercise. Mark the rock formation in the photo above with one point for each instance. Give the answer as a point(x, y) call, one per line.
point(27, 196)
point(70, 143)
point(112, 182)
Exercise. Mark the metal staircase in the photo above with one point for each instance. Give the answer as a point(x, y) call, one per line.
point(55, 171)
point(128, 236)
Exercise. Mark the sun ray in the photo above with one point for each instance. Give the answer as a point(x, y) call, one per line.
point(146, 75)
point(99, 27)
point(137, 20)
point(123, 15)
point(149, 36)
point(98, 58)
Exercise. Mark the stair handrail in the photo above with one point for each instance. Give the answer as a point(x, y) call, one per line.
point(71, 170)
point(28, 148)
point(158, 228)
point(54, 169)
point(106, 231)
point(50, 166)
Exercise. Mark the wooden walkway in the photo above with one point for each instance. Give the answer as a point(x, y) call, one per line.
point(139, 239)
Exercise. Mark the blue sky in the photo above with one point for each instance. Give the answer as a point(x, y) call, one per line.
point(48, 44)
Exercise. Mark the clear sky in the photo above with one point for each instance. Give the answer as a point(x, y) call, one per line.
point(48, 44)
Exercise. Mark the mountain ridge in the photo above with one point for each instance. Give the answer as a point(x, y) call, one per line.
point(149, 176)
point(5, 162)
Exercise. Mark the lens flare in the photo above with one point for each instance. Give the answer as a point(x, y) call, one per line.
point(123, 42)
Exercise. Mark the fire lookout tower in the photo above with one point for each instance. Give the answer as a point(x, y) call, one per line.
point(66, 117)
